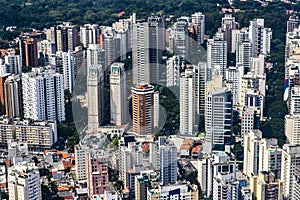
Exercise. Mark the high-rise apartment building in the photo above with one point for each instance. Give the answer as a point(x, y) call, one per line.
point(66, 67)
point(142, 182)
point(43, 95)
point(180, 40)
point(24, 182)
point(13, 61)
point(187, 103)
point(13, 96)
point(290, 161)
point(199, 20)
point(89, 34)
point(46, 49)
point(218, 117)
point(118, 96)
point(29, 52)
point(217, 55)
point(292, 129)
point(243, 53)
point(2, 92)
point(174, 64)
point(250, 120)
point(97, 174)
point(260, 37)
point(168, 163)
point(81, 161)
point(147, 46)
point(266, 186)
point(95, 85)
point(228, 25)
point(66, 37)
point(142, 109)
point(251, 152)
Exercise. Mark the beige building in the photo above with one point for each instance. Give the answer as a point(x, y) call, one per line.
point(266, 186)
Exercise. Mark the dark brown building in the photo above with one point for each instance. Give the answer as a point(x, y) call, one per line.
point(2, 93)
point(29, 52)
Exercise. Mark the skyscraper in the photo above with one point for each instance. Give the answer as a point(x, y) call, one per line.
point(251, 152)
point(290, 161)
point(181, 37)
point(217, 54)
point(218, 117)
point(28, 52)
point(187, 103)
point(43, 95)
point(13, 96)
point(13, 61)
point(168, 163)
point(95, 84)
point(89, 34)
point(147, 47)
point(66, 37)
point(118, 101)
point(2, 93)
point(243, 53)
point(142, 109)
point(174, 64)
point(260, 37)
point(199, 20)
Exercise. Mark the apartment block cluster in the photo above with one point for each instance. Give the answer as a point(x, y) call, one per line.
point(108, 164)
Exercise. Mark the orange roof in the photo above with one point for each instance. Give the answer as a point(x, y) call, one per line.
point(67, 164)
point(146, 147)
point(125, 191)
point(65, 155)
point(7, 162)
point(196, 149)
point(63, 187)
point(185, 146)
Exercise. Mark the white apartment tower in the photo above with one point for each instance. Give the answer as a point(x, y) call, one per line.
point(89, 34)
point(24, 183)
point(290, 161)
point(218, 117)
point(243, 53)
point(118, 101)
point(174, 64)
point(81, 160)
point(43, 95)
point(251, 152)
point(217, 54)
point(68, 64)
point(260, 37)
point(13, 61)
point(95, 97)
point(168, 164)
point(187, 103)
point(156, 110)
point(148, 43)
point(181, 37)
